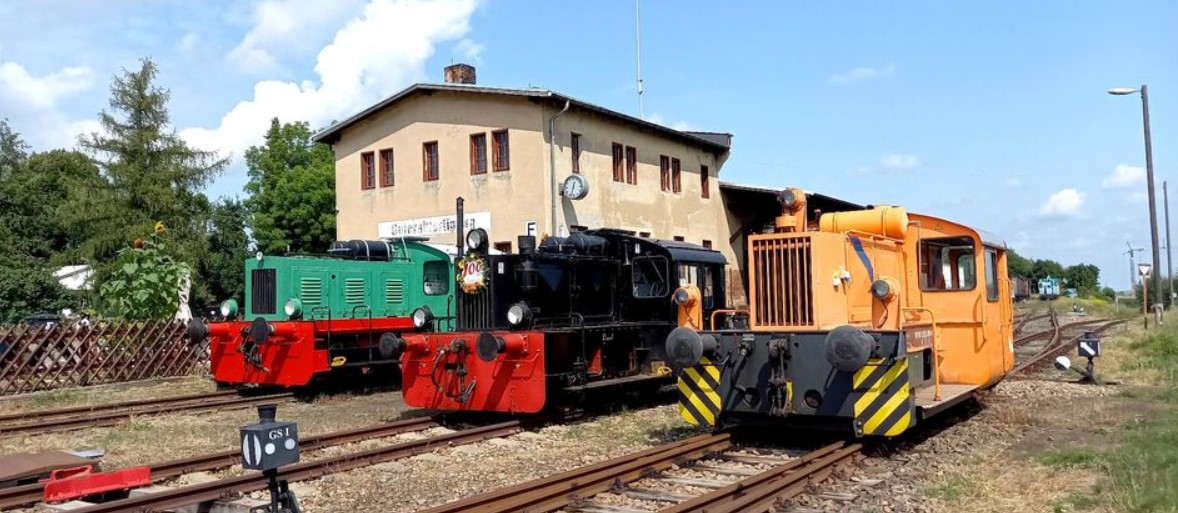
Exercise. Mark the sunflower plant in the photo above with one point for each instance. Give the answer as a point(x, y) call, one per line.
point(144, 280)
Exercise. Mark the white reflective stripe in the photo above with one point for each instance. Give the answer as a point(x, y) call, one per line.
point(1087, 349)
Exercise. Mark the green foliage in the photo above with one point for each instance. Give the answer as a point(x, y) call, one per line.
point(149, 174)
point(32, 192)
point(220, 270)
point(292, 190)
point(142, 282)
point(27, 287)
point(1017, 265)
point(13, 150)
point(1044, 268)
point(1071, 458)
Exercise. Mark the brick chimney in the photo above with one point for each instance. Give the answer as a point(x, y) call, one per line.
point(460, 74)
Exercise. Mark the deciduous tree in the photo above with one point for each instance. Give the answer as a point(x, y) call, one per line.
point(292, 190)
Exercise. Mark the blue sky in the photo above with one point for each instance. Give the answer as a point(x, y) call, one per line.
point(991, 113)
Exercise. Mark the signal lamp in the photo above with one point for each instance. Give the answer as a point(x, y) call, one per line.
point(422, 316)
point(476, 240)
point(518, 314)
point(293, 308)
point(229, 308)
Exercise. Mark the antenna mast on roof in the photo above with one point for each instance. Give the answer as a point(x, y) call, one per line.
point(638, 47)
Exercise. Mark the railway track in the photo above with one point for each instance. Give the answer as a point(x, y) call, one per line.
point(25, 495)
point(1059, 342)
point(254, 481)
point(1022, 322)
point(698, 474)
point(116, 413)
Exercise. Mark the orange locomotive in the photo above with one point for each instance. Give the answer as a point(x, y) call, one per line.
point(867, 320)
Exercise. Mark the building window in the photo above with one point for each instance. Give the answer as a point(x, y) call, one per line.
point(631, 165)
point(618, 169)
point(575, 146)
point(429, 161)
point(704, 188)
point(478, 154)
point(664, 173)
point(645, 235)
point(500, 152)
point(679, 238)
point(707, 244)
point(676, 184)
point(367, 170)
point(386, 167)
point(502, 246)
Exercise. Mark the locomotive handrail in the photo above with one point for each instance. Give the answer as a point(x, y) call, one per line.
point(936, 348)
point(726, 311)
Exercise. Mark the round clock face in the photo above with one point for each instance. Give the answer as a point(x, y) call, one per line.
point(575, 187)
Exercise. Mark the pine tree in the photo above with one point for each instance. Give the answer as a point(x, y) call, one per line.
point(148, 174)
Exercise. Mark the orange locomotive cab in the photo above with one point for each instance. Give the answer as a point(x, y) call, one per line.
point(868, 319)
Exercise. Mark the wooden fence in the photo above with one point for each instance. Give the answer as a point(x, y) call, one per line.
point(44, 357)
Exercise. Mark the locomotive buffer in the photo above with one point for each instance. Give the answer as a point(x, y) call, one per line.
point(266, 446)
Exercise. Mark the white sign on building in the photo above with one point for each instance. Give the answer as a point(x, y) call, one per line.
point(426, 226)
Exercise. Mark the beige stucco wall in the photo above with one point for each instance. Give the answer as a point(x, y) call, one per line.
point(522, 194)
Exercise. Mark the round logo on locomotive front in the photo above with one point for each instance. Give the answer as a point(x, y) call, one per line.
point(472, 274)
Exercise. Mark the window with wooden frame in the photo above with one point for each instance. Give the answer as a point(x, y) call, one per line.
point(500, 150)
point(707, 243)
point(664, 173)
point(645, 235)
point(478, 154)
point(676, 183)
point(705, 190)
point(429, 161)
point(679, 238)
point(386, 167)
point(367, 170)
point(502, 246)
point(575, 147)
point(631, 165)
point(619, 171)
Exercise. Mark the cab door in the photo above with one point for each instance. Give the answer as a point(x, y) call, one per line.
point(996, 327)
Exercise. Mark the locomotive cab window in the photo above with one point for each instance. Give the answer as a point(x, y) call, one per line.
point(947, 264)
point(650, 277)
point(991, 275)
point(436, 278)
point(701, 277)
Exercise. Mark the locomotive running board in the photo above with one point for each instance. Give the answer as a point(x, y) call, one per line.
point(950, 396)
point(628, 380)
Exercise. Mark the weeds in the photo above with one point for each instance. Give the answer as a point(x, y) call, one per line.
point(1071, 458)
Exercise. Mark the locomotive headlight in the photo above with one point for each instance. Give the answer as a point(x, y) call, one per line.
point(476, 239)
point(293, 308)
point(518, 313)
point(682, 296)
point(787, 198)
point(882, 289)
point(229, 308)
point(422, 316)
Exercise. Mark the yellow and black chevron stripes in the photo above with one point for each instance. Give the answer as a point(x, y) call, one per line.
point(699, 399)
point(885, 405)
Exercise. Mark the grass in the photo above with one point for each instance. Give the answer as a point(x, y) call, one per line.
point(55, 398)
point(951, 490)
point(1142, 469)
point(1092, 306)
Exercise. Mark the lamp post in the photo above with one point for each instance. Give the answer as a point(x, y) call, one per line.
point(1153, 215)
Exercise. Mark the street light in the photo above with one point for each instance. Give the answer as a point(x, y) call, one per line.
point(1153, 215)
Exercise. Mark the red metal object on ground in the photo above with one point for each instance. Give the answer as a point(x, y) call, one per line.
point(290, 356)
point(77, 482)
point(444, 371)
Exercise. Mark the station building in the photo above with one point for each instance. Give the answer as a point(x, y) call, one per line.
point(510, 153)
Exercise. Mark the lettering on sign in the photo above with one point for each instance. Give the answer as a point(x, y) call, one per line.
point(432, 225)
point(919, 337)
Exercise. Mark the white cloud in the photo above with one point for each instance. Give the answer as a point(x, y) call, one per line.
point(31, 103)
point(899, 161)
point(20, 86)
point(862, 73)
point(188, 45)
point(470, 51)
point(1124, 177)
point(375, 54)
point(280, 26)
point(1065, 203)
point(1013, 183)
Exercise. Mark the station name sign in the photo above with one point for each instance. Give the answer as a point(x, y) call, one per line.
point(425, 226)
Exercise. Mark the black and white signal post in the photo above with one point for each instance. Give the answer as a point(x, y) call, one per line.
point(268, 445)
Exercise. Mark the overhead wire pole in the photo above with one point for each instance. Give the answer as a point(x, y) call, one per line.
point(1169, 252)
point(1153, 213)
point(638, 48)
